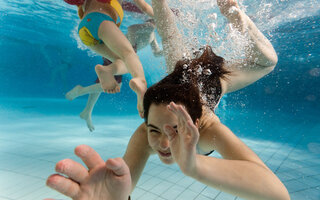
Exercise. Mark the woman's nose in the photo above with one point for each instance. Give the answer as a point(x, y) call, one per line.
point(164, 142)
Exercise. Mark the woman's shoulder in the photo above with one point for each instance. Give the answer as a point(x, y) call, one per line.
point(207, 119)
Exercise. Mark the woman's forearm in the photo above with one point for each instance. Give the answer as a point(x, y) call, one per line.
point(259, 50)
point(137, 154)
point(241, 178)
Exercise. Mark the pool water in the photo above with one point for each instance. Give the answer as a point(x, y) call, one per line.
point(278, 117)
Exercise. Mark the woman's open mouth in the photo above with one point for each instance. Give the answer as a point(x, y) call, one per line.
point(166, 155)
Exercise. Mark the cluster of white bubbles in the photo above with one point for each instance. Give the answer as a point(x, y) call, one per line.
point(202, 24)
point(80, 45)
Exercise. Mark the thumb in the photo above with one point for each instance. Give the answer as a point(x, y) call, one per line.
point(118, 166)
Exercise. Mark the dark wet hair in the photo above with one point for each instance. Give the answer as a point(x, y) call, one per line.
point(193, 83)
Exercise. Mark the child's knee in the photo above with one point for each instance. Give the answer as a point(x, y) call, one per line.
point(129, 54)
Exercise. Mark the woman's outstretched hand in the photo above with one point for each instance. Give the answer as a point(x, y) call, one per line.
point(108, 180)
point(183, 140)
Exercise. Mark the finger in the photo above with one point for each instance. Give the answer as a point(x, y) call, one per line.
point(192, 128)
point(118, 166)
point(142, 114)
point(172, 107)
point(89, 156)
point(179, 110)
point(72, 169)
point(63, 185)
point(184, 114)
point(194, 132)
point(169, 131)
point(118, 89)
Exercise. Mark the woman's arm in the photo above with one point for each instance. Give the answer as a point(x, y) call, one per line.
point(261, 57)
point(240, 172)
point(144, 7)
point(137, 153)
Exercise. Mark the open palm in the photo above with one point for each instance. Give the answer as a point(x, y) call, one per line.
point(104, 180)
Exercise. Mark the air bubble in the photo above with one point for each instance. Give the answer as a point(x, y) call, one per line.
point(207, 72)
point(213, 16)
point(315, 72)
point(185, 66)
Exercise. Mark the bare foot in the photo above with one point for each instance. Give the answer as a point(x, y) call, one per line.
point(107, 81)
point(74, 93)
point(139, 86)
point(87, 117)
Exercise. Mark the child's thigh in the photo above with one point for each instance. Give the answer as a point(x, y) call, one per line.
point(105, 51)
point(112, 36)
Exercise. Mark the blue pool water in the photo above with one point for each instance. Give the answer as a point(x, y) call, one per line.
point(42, 58)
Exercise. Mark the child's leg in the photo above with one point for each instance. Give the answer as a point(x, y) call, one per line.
point(106, 72)
point(79, 91)
point(106, 75)
point(87, 111)
point(119, 44)
point(172, 40)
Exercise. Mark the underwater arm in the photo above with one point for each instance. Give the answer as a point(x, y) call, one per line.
point(145, 7)
point(137, 153)
point(260, 51)
point(261, 57)
point(240, 172)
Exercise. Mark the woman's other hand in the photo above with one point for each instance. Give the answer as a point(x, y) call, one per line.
point(183, 139)
point(104, 180)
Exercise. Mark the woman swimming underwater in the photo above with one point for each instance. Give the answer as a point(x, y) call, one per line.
point(180, 125)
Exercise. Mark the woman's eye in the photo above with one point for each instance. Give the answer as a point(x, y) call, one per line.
point(154, 131)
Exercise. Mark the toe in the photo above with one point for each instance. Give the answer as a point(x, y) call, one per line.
point(117, 89)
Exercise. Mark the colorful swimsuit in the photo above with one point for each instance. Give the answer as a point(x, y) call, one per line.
point(89, 25)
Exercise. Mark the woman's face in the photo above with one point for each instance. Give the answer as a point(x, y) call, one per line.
point(158, 116)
